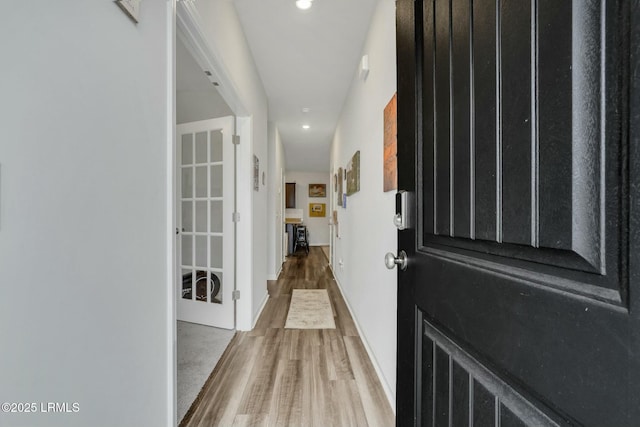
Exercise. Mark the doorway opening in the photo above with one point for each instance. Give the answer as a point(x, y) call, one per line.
point(205, 204)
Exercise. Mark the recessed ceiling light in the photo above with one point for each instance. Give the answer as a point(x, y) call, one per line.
point(303, 4)
point(306, 110)
point(305, 126)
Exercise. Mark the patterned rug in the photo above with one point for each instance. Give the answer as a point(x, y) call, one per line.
point(310, 309)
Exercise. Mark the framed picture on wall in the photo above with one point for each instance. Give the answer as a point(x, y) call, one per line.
point(256, 173)
point(390, 146)
point(353, 174)
point(339, 187)
point(131, 8)
point(317, 190)
point(317, 210)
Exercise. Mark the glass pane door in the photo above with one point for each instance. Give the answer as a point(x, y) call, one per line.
point(205, 209)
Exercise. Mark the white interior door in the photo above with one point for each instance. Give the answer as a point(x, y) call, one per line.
point(206, 246)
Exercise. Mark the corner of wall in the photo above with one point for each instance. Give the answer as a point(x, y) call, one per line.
point(369, 289)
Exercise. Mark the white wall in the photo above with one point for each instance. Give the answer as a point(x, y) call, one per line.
point(275, 220)
point(221, 26)
point(85, 227)
point(318, 227)
point(366, 225)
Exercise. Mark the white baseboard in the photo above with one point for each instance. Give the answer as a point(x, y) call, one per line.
point(374, 362)
point(275, 277)
point(264, 303)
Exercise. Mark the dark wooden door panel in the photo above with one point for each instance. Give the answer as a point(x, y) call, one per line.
point(516, 159)
point(442, 124)
point(461, 117)
point(544, 342)
point(458, 391)
point(554, 125)
point(484, 136)
point(515, 120)
point(516, 136)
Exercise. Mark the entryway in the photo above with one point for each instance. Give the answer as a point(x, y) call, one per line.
point(205, 251)
point(205, 200)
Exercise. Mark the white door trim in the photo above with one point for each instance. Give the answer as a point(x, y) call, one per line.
point(189, 27)
point(172, 356)
point(244, 236)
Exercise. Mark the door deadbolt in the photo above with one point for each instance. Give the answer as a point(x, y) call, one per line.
point(403, 217)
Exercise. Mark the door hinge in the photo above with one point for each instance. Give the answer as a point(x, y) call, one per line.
point(236, 139)
point(235, 217)
point(236, 295)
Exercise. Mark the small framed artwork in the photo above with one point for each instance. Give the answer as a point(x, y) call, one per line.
point(317, 190)
point(353, 174)
point(390, 161)
point(131, 8)
point(317, 210)
point(256, 173)
point(339, 190)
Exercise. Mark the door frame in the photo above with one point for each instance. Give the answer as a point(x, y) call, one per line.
point(184, 22)
point(190, 31)
point(171, 260)
point(407, 131)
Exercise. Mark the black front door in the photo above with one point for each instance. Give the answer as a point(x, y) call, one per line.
point(518, 138)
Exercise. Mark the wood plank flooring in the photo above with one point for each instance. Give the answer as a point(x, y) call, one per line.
point(273, 376)
point(326, 250)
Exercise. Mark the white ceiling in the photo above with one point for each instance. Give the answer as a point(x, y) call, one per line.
point(306, 59)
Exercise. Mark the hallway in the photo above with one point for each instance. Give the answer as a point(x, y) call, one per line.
point(273, 376)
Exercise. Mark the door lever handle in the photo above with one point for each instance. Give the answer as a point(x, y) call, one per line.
point(390, 260)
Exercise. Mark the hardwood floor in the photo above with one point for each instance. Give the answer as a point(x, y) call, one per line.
point(273, 376)
point(326, 250)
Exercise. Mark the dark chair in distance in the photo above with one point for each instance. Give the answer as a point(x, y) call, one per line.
point(302, 239)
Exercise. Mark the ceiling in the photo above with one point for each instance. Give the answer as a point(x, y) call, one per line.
point(306, 59)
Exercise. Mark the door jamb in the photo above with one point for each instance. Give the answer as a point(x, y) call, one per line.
point(171, 326)
point(208, 57)
point(407, 14)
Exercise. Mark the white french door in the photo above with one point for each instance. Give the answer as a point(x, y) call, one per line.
point(206, 246)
